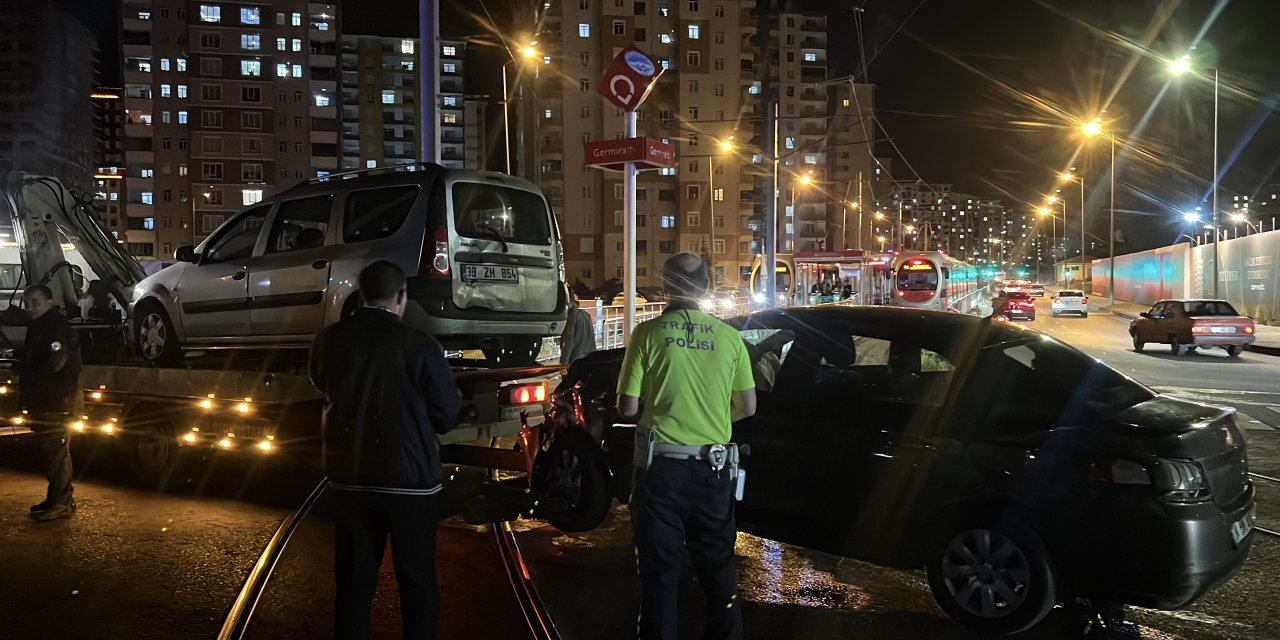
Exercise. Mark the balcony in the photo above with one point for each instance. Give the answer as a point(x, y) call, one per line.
point(134, 25)
point(139, 131)
point(329, 113)
point(324, 137)
point(322, 60)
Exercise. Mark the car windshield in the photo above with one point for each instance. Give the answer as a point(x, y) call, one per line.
point(499, 213)
point(1209, 308)
point(918, 277)
point(1070, 294)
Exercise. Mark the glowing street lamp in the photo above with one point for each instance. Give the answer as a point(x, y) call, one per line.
point(1093, 128)
point(527, 54)
point(1181, 66)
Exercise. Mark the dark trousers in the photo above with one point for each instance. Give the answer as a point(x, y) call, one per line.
point(55, 454)
point(364, 521)
point(678, 504)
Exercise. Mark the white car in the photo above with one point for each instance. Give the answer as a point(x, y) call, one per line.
point(1070, 301)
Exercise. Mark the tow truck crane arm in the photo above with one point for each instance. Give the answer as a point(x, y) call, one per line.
point(40, 208)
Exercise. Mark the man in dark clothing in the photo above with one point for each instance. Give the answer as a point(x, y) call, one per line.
point(388, 393)
point(48, 368)
point(579, 337)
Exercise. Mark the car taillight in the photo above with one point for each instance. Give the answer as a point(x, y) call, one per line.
point(1084, 301)
point(1121, 471)
point(526, 394)
point(1248, 329)
point(560, 258)
point(1197, 329)
point(435, 253)
point(1179, 480)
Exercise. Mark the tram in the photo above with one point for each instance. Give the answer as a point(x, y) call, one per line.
point(936, 281)
point(784, 279)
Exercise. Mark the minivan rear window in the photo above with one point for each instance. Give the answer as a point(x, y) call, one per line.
point(493, 212)
point(371, 214)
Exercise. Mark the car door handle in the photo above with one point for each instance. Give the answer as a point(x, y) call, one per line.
point(239, 275)
point(319, 264)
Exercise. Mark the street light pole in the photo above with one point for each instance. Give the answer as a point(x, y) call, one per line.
point(506, 115)
point(1111, 238)
point(1215, 182)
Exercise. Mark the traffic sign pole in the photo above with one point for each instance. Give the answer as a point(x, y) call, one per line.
point(629, 237)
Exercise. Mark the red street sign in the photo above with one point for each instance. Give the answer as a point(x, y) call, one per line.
point(629, 78)
point(647, 153)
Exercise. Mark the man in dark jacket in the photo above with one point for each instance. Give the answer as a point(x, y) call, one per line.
point(388, 393)
point(49, 372)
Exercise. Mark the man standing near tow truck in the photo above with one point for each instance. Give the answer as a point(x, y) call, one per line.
point(693, 375)
point(388, 393)
point(49, 370)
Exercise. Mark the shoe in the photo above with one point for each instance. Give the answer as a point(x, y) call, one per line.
point(40, 507)
point(54, 512)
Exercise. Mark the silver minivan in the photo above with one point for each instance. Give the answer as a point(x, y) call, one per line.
point(482, 251)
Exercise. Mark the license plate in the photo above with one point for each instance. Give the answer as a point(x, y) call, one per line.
point(1223, 329)
point(489, 273)
point(1241, 528)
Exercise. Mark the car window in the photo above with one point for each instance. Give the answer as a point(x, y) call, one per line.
point(300, 224)
point(1210, 308)
point(1043, 383)
point(767, 349)
point(236, 240)
point(492, 212)
point(865, 368)
point(370, 214)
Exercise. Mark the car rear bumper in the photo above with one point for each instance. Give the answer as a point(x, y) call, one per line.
point(1217, 340)
point(1166, 556)
point(444, 318)
point(1071, 309)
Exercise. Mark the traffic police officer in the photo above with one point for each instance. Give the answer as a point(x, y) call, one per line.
point(49, 367)
point(692, 374)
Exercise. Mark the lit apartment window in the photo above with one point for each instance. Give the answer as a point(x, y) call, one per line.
point(665, 38)
point(148, 197)
point(250, 196)
point(810, 57)
point(250, 41)
point(166, 90)
point(406, 47)
point(250, 15)
point(584, 30)
point(164, 64)
point(388, 97)
point(182, 117)
point(297, 71)
point(694, 32)
point(296, 43)
point(451, 118)
point(182, 91)
point(148, 223)
point(321, 100)
point(282, 44)
point(449, 67)
point(667, 222)
point(449, 50)
point(296, 20)
point(810, 158)
point(210, 13)
point(251, 68)
point(282, 70)
point(182, 64)
point(546, 114)
point(450, 101)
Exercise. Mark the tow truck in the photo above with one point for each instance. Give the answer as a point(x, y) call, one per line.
point(162, 419)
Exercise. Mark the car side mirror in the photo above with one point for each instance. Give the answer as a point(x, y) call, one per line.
point(1145, 314)
point(185, 253)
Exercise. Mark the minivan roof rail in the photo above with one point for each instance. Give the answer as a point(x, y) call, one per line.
point(391, 168)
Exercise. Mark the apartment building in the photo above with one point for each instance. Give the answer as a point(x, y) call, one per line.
point(46, 77)
point(380, 102)
point(851, 166)
point(224, 104)
point(700, 104)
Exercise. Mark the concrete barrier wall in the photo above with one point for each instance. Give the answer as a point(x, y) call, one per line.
point(1247, 274)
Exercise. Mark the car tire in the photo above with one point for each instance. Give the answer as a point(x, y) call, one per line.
point(571, 471)
point(156, 459)
point(1233, 350)
point(1137, 344)
point(1084, 314)
point(992, 575)
point(1054, 313)
point(154, 336)
point(1176, 347)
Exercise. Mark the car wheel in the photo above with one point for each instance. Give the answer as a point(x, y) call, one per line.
point(1138, 344)
point(1054, 313)
point(993, 576)
point(154, 335)
point(1233, 350)
point(1176, 347)
point(1084, 314)
point(156, 459)
point(571, 480)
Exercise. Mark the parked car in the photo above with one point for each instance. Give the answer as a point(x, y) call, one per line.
point(1070, 301)
point(1186, 325)
point(621, 299)
point(1013, 286)
point(1017, 470)
point(482, 252)
point(1014, 306)
point(1036, 290)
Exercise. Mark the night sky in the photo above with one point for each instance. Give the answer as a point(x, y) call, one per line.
point(988, 95)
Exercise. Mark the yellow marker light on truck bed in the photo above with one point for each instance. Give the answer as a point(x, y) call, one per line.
point(265, 445)
point(225, 443)
point(4, 390)
point(18, 420)
point(243, 407)
point(77, 425)
point(108, 429)
point(96, 395)
point(189, 437)
point(206, 404)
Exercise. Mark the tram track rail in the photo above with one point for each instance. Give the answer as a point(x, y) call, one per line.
point(236, 625)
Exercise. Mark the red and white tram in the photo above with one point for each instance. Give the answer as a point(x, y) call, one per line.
point(936, 281)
